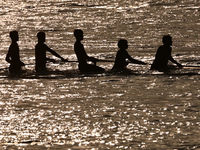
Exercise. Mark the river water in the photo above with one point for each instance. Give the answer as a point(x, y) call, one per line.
point(74, 111)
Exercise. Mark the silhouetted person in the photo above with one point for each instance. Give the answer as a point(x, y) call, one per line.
point(40, 54)
point(122, 56)
point(83, 57)
point(163, 54)
point(12, 56)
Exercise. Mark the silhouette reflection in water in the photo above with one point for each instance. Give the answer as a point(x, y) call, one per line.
point(163, 54)
point(13, 57)
point(82, 56)
point(122, 56)
point(40, 54)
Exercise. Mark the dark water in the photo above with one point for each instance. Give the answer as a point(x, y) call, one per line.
point(142, 111)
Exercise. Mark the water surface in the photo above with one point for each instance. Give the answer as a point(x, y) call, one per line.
point(70, 110)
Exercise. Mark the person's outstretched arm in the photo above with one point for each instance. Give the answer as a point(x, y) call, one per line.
point(92, 59)
point(175, 62)
point(56, 54)
point(134, 60)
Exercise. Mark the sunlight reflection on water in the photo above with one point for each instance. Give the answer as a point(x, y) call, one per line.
point(117, 118)
point(76, 111)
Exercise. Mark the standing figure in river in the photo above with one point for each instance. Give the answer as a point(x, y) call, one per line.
point(12, 56)
point(83, 57)
point(163, 54)
point(122, 56)
point(40, 54)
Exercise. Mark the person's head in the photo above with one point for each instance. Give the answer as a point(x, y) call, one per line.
point(123, 44)
point(41, 36)
point(167, 40)
point(14, 36)
point(78, 34)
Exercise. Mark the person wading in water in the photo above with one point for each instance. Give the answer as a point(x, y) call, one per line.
point(83, 57)
point(13, 57)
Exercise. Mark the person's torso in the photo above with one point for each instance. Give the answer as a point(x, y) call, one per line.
point(40, 54)
point(120, 60)
point(162, 56)
point(14, 54)
point(80, 53)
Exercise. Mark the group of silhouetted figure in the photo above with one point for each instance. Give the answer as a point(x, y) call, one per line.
point(160, 63)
